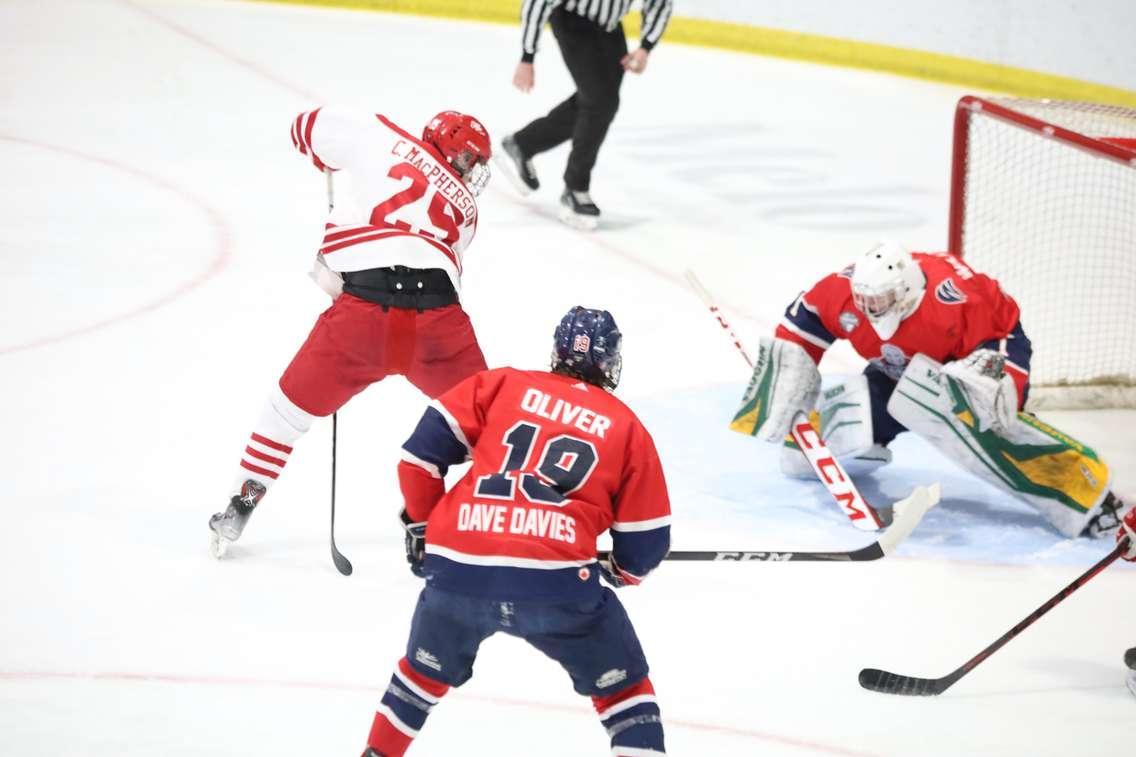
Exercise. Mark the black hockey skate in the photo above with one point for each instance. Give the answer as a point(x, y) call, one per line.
point(1130, 661)
point(578, 210)
point(517, 166)
point(1107, 520)
point(226, 527)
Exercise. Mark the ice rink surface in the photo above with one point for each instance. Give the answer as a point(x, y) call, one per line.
point(157, 228)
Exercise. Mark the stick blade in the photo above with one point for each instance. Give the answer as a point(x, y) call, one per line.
point(890, 683)
point(907, 514)
point(342, 564)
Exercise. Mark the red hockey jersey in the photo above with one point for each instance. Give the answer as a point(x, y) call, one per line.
point(556, 462)
point(404, 204)
point(961, 310)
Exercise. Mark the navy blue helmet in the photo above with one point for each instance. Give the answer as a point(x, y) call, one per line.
point(586, 345)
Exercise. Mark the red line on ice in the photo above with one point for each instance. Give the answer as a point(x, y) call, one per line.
point(222, 252)
point(128, 677)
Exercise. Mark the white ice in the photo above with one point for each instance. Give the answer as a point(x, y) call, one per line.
point(157, 227)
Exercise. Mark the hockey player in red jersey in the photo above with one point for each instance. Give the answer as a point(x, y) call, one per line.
point(947, 359)
point(391, 259)
point(1126, 536)
point(557, 460)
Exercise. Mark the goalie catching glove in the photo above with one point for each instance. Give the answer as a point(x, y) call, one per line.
point(785, 381)
point(991, 393)
point(415, 543)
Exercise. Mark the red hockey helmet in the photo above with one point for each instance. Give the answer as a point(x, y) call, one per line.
point(464, 143)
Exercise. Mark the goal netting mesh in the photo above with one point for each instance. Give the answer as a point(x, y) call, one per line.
point(1044, 200)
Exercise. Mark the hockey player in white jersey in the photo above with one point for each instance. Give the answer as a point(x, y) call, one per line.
point(391, 260)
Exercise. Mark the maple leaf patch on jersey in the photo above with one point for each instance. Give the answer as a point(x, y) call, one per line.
point(948, 293)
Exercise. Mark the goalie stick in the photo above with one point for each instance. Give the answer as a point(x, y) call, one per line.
point(342, 564)
point(832, 474)
point(824, 464)
point(908, 512)
point(892, 683)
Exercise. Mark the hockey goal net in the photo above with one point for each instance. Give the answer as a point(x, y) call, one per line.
point(1043, 198)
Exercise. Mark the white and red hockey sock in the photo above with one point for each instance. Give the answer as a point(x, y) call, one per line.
point(403, 710)
point(633, 721)
point(270, 443)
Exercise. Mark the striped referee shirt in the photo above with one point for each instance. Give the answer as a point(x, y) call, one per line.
point(606, 14)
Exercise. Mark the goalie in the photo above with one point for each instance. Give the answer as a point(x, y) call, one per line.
point(947, 360)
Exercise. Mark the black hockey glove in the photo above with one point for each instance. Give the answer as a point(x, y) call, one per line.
point(415, 544)
point(610, 572)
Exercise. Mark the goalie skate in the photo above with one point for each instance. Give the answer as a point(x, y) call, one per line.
point(226, 527)
point(1107, 518)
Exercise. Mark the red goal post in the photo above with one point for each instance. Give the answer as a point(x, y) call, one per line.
point(1043, 198)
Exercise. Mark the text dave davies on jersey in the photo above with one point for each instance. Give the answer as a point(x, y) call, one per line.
point(525, 521)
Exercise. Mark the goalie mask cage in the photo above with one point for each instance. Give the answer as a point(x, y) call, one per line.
point(1043, 198)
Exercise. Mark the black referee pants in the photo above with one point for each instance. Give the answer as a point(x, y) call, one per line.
point(592, 56)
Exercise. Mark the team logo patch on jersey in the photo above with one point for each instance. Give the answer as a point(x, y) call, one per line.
point(892, 361)
point(581, 343)
point(849, 321)
point(948, 293)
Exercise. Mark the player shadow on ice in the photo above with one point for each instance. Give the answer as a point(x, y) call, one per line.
point(723, 475)
point(964, 519)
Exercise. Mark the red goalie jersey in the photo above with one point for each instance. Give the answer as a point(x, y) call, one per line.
point(556, 462)
point(404, 206)
point(960, 311)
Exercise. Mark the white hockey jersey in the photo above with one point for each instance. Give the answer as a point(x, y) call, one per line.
point(406, 205)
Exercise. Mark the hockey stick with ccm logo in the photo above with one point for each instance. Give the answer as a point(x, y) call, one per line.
point(832, 474)
point(908, 512)
point(824, 464)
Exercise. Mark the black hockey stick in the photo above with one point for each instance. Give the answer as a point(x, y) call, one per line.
point(342, 564)
point(871, 552)
point(891, 683)
point(908, 512)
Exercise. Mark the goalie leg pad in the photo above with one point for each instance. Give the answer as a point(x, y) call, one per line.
point(785, 380)
point(1063, 479)
point(843, 419)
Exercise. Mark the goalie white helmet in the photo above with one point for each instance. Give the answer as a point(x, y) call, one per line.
point(887, 286)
